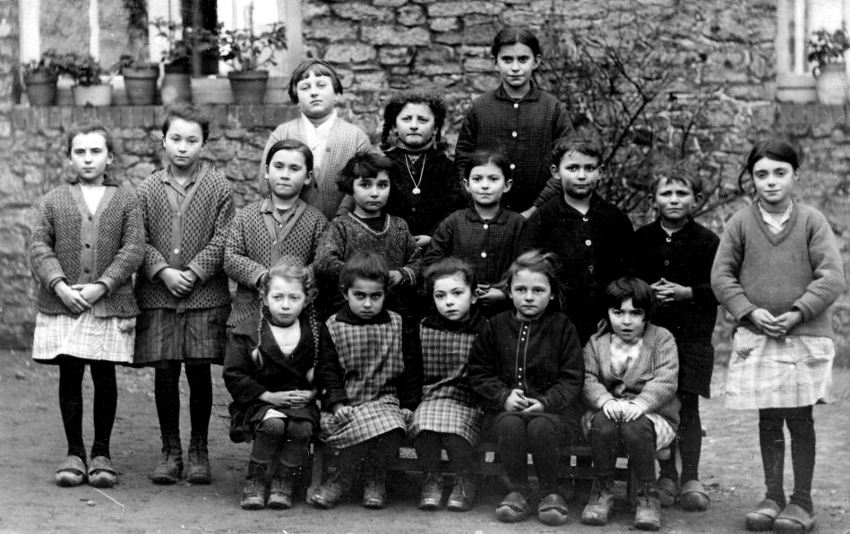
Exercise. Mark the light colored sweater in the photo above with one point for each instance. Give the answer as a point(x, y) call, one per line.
point(798, 268)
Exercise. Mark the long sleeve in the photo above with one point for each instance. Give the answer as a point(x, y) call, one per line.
point(441, 244)
point(828, 272)
point(330, 253)
point(239, 370)
point(570, 372)
point(238, 265)
point(131, 254)
point(594, 390)
point(530, 236)
point(330, 373)
point(154, 260)
point(552, 189)
point(43, 259)
point(210, 259)
point(484, 374)
point(725, 273)
point(659, 389)
point(466, 142)
point(413, 261)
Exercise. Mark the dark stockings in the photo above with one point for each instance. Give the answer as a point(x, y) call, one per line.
point(429, 445)
point(801, 426)
point(282, 438)
point(690, 441)
point(71, 405)
point(167, 392)
point(370, 455)
point(542, 437)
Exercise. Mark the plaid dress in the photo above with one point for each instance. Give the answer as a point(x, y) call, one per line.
point(369, 361)
point(449, 406)
point(787, 372)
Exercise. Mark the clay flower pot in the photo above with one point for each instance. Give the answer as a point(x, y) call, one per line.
point(41, 88)
point(249, 87)
point(140, 85)
point(832, 84)
point(93, 95)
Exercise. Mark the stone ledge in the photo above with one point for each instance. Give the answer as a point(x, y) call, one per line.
point(26, 118)
point(803, 119)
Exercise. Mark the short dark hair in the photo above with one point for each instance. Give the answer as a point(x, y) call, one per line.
point(483, 157)
point(587, 143)
point(291, 144)
point(397, 103)
point(368, 265)
point(366, 165)
point(677, 173)
point(189, 113)
point(87, 127)
point(317, 67)
point(514, 35)
point(636, 289)
point(775, 149)
point(448, 267)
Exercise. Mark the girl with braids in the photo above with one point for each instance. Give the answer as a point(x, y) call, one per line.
point(268, 370)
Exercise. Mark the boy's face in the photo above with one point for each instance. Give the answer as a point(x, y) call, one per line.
point(578, 173)
point(627, 321)
point(365, 297)
point(415, 125)
point(183, 142)
point(315, 96)
point(285, 300)
point(453, 297)
point(287, 173)
point(675, 200)
point(486, 184)
point(370, 195)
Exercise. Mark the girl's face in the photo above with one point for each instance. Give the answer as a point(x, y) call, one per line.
point(453, 297)
point(516, 63)
point(627, 321)
point(415, 125)
point(365, 297)
point(530, 292)
point(183, 142)
point(370, 195)
point(287, 173)
point(774, 181)
point(486, 184)
point(285, 300)
point(316, 96)
point(89, 157)
point(578, 174)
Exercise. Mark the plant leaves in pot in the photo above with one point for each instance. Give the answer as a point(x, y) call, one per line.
point(89, 88)
point(40, 77)
point(826, 51)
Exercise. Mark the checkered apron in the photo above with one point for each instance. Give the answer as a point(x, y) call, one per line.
point(371, 358)
point(106, 339)
point(787, 372)
point(448, 403)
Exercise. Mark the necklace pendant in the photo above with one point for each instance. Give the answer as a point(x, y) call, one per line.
point(416, 190)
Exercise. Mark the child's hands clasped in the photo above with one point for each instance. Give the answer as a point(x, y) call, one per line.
point(775, 326)
point(668, 292)
point(612, 409)
point(342, 411)
point(298, 398)
point(395, 278)
point(516, 401)
point(488, 295)
point(179, 283)
point(71, 297)
point(630, 411)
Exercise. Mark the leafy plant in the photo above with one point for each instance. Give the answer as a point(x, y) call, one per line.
point(244, 49)
point(825, 48)
point(50, 64)
point(179, 50)
point(126, 61)
point(84, 69)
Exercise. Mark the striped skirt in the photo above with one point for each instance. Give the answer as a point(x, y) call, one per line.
point(106, 339)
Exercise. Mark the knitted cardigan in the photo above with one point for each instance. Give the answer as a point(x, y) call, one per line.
point(205, 222)
point(106, 248)
point(798, 268)
point(344, 142)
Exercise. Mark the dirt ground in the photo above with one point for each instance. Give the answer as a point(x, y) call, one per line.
point(33, 443)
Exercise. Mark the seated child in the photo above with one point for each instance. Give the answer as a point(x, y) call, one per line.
point(527, 363)
point(631, 378)
point(361, 374)
point(448, 416)
point(268, 370)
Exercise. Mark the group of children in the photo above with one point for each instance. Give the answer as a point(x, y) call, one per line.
point(544, 316)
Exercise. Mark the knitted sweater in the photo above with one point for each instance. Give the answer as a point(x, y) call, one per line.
point(798, 268)
point(197, 229)
point(249, 249)
point(344, 142)
point(69, 243)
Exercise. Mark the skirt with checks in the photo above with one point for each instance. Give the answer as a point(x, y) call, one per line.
point(368, 420)
point(84, 337)
point(448, 416)
point(787, 372)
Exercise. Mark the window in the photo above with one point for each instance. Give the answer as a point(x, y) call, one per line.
point(797, 19)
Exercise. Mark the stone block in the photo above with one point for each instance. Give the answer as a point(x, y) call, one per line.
point(327, 29)
point(434, 70)
point(389, 3)
point(311, 9)
point(444, 24)
point(478, 65)
point(362, 12)
point(411, 15)
point(395, 36)
point(396, 55)
point(370, 81)
point(350, 53)
point(463, 8)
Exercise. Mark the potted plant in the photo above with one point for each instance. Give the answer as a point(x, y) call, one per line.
point(176, 62)
point(139, 80)
point(826, 51)
point(40, 77)
point(89, 88)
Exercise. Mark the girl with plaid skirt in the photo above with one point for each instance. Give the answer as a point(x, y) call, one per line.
point(87, 241)
point(448, 416)
point(777, 271)
point(268, 370)
point(362, 373)
point(182, 288)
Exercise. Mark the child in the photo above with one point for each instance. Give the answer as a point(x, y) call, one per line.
point(527, 363)
point(448, 416)
point(779, 288)
point(484, 235)
point(268, 370)
point(269, 229)
point(676, 254)
point(630, 383)
point(591, 236)
point(361, 375)
point(87, 241)
point(182, 289)
point(369, 228)
point(517, 118)
point(315, 87)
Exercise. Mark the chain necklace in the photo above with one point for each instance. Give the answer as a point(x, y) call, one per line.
point(416, 183)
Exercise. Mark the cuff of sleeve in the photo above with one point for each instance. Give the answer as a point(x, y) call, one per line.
point(108, 282)
point(251, 392)
point(257, 276)
point(502, 397)
point(154, 270)
point(801, 306)
point(600, 402)
point(408, 276)
point(641, 404)
point(199, 271)
point(52, 284)
point(744, 311)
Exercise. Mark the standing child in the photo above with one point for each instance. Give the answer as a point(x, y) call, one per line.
point(315, 87)
point(369, 228)
point(632, 370)
point(361, 376)
point(527, 363)
point(591, 236)
point(448, 416)
point(269, 370)
point(87, 241)
point(676, 254)
point(269, 229)
point(182, 288)
point(484, 235)
point(518, 119)
point(779, 287)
